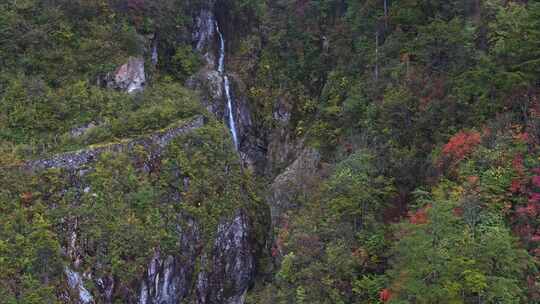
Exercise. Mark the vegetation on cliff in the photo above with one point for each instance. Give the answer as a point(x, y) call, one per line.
point(426, 114)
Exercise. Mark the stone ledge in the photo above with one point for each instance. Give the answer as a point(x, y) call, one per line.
point(74, 160)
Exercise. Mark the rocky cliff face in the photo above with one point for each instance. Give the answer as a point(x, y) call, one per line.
point(204, 35)
point(274, 153)
point(129, 77)
point(231, 264)
point(293, 181)
point(196, 272)
point(224, 276)
point(219, 272)
point(209, 82)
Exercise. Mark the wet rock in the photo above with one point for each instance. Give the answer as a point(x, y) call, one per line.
point(282, 112)
point(191, 274)
point(154, 56)
point(210, 84)
point(75, 283)
point(204, 34)
point(106, 288)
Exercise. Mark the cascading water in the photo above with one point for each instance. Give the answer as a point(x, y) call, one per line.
point(226, 84)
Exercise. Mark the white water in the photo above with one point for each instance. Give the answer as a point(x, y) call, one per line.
point(226, 84)
point(75, 281)
point(154, 54)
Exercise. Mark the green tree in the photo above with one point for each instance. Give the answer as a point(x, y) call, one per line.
point(445, 260)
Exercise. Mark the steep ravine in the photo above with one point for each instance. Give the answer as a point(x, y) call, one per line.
point(274, 154)
point(220, 274)
point(222, 270)
point(220, 87)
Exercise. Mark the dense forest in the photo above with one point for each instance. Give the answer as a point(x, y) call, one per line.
point(269, 151)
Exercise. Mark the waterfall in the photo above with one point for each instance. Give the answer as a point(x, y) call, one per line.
point(75, 282)
point(154, 53)
point(232, 124)
point(221, 62)
point(226, 84)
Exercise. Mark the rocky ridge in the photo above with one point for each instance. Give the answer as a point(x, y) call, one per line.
point(155, 142)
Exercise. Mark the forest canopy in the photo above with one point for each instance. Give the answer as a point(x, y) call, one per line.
point(424, 115)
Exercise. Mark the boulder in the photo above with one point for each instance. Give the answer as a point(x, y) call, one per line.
point(291, 183)
point(129, 77)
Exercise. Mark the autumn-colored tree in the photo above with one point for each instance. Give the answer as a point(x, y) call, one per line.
point(461, 144)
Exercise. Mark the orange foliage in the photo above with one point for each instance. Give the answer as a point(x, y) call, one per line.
point(517, 164)
point(473, 179)
point(516, 186)
point(529, 210)
point(419, 217)
point(534, 197)
point(523, 137)
point(385, 295)
point(461, 144)
point(536, 180)
point(27, 197)
point(458, 211)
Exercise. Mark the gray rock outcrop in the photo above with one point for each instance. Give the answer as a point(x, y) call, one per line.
point(155, 142)
point(225, 273)
point(225, 269)
point(129, 77)
point(291, 183)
